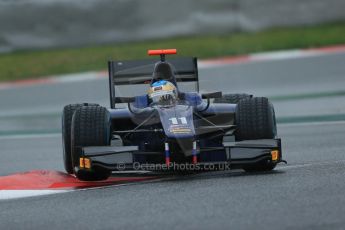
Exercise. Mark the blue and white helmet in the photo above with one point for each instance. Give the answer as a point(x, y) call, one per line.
point(162, 91)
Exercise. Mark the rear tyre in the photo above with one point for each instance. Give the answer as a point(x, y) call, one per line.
point(67, 115)
point(255, 119)
point(232, 98)
point(91, 126)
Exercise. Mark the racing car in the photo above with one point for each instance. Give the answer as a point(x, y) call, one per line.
point(159, 116)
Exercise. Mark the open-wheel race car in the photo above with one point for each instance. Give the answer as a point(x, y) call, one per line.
point(157, 116)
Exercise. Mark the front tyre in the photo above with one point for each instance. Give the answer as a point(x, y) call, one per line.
point(91, 126)
point(255, 119)
point(67, 115)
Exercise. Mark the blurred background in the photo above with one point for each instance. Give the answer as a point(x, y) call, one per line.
point(34, 24)
point(81, 35)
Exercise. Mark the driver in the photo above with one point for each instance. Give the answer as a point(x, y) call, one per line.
point(163, 92)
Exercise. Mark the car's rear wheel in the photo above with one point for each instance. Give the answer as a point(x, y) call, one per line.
point(67, 115)
point(255, 119)
point(232, 98)
point(91, 126)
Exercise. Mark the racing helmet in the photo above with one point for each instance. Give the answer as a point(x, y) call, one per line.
point(163, 92)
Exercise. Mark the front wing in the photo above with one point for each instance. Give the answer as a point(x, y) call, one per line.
point(239, 154)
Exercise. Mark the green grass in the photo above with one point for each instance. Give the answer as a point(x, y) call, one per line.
point(31, 64)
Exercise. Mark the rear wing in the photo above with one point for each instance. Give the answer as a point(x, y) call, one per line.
point(139, 72)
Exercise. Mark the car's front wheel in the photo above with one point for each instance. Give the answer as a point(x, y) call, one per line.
point(255, 119)
point(91, 126)
point(67, 115)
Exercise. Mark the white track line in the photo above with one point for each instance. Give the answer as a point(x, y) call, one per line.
point(306, 165)
point(281, 55)
point(28, 136)
point(15, 194)
point(311, 123)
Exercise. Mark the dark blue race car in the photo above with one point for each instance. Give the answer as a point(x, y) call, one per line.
point(157, 117)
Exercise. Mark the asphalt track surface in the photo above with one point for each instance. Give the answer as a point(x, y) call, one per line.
point(308, 193)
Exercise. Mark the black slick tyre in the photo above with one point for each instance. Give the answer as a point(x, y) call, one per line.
point(91, 126)
point(255, 119)
point(67, 115)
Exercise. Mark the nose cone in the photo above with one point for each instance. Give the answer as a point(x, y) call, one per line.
point(177, 121)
